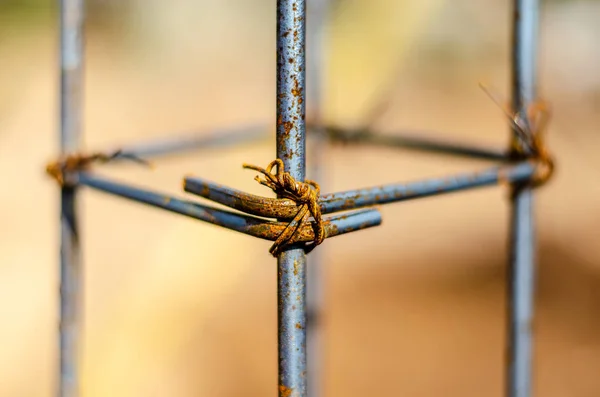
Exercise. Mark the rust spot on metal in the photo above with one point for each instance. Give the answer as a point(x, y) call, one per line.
point(65, 166)
point(296, 90)
point(349, 203)
point(285, 391)
point(287, 127)
point(299, 326)
point(305, 194)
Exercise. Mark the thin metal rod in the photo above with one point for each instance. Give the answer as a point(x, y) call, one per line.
point(416, 141)
point(291, 144)
point(521, 269)
point(71, 277)
point(257, 227)
point(401, 192)
point(183, 143)
point(352, 199)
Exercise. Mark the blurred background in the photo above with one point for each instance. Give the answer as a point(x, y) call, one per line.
point(414, 307)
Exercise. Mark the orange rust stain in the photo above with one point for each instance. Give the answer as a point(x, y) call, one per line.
point(284, 391)
point(287, 126)
point(299, 326)
point(205, 191)
point(297, 90)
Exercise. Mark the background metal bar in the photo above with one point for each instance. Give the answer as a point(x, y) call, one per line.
point(194, 141)
point(317, 11)
point(291, 144)
point(352, 199)
point(415, 141)
point(522, 257)
point(71, 278)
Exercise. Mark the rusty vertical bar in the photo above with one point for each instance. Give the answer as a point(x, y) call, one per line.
point(521, 270)
point(71, 95)
point(291, 145)
point(317, 11)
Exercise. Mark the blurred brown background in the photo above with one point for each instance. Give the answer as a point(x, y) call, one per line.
point(414, 307)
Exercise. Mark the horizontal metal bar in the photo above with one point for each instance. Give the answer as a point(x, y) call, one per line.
point(249, 203)
point(399, 192)
point(334, 202)
point(412, 141)
point(261, 228)
point(183, 143)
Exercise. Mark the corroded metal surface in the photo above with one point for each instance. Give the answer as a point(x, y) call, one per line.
point(64, 170)
point(305, 194)
point(334, 202)
point(531, 165)
point(291, 146)
point(257, 227)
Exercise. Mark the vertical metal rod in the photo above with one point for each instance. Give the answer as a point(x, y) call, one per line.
point(291, 144)
point(71, 95)
point(317, 10)
point(521, 269)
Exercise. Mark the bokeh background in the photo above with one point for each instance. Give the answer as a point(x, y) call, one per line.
point(414, 307)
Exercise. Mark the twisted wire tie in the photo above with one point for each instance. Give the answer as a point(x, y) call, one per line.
point(530, 129)
point(304, 194)
point(72, 163)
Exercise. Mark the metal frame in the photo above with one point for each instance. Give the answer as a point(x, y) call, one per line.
point(516, 169)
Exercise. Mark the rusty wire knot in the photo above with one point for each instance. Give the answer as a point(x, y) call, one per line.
point(69, 164)
point(305, 194)
point(530, 129)
point(531, 144)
